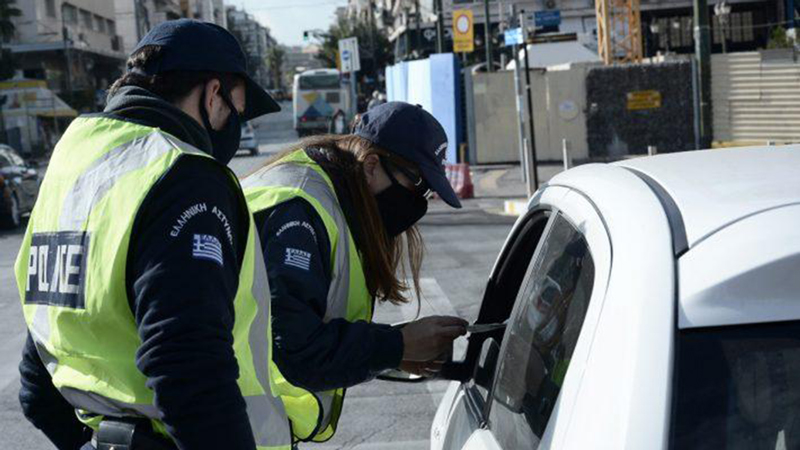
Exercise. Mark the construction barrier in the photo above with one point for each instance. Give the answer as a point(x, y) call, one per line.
point(460, 179)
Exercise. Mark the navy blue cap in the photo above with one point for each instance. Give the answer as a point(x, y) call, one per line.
point(414, 134)
point(192, 45)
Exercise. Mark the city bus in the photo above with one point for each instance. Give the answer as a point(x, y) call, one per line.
point(317, 95)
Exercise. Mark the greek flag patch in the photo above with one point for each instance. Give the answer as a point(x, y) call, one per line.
point(207, 247)
point(298, 258)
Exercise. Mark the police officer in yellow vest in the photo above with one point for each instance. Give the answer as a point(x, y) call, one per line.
point(140, 273)
point(336, 216)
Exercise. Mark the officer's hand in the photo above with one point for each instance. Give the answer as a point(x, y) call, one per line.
point(425, 339)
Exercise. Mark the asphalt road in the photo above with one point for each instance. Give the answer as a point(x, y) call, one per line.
point(460, 249)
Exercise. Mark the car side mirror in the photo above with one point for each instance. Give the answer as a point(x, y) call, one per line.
point(487, 363)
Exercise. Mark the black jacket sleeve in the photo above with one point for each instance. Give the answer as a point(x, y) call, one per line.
point(186, 249)
point(310, 353)
point(44, 406)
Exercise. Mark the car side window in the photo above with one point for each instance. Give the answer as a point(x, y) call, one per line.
point(542, 335)
point(4, 161)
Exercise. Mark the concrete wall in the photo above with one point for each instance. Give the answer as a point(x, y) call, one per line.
point(563, 101)
point(496, 134)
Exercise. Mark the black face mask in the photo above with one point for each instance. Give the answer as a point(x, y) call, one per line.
point(400, 208)
point(225, 142)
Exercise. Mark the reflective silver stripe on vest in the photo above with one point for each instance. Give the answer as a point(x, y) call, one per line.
point(90, 401)
point(95, 182)
point(266, 412)
point(312, 183)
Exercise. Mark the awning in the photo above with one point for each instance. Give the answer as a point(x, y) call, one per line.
point(22, 97)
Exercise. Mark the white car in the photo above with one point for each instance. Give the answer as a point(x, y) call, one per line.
point(652, 304)
point(248, 140)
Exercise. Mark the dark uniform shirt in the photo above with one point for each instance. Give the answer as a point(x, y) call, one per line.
point(310, 353)
point(182, 302)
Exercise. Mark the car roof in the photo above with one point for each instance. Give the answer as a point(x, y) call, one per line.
point(715, 188)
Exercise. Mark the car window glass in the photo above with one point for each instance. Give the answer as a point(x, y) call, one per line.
point(541, 336)
point(738, 387)
point(4, 161)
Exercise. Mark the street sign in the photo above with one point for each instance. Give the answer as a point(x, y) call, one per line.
point(463, 31)
point(348, 55)
point(639, 100)
point(544, 19)
point(513, 36)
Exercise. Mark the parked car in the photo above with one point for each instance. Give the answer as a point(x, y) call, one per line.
point(248, 141)
point(652, 303)
point(19, 186)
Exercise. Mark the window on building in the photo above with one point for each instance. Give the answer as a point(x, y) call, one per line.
point(100, 23)
point(86, 19)
point(70, 14)
point(50, 5)
point(111, 27)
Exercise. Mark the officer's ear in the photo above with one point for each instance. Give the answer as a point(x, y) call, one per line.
point(212, 100)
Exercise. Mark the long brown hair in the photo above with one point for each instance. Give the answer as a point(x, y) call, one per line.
point(387, 261)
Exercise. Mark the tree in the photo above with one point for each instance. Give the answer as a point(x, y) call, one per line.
point(779, 39)
point(8, 11)
point(275, 58)
point(372, 59)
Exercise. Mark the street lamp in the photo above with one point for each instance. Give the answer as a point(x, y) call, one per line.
point(722, 10)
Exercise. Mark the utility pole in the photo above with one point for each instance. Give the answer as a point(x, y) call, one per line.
point(418, 17)
point(487, 27)
point(372, 28)
point(703, 81)
point(520, 102)
point(534, 170)
point(439, 27)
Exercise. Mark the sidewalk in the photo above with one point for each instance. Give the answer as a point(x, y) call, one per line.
point(499, 189)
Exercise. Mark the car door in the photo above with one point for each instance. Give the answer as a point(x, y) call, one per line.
point(549, 330)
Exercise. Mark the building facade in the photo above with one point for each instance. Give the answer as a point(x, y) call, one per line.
point(137, 17)
point(74, 45)
point(206, 10)
point(298, 59)
point(256, 41)
point(667, 25)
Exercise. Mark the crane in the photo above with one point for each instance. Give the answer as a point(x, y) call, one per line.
point(619, 31)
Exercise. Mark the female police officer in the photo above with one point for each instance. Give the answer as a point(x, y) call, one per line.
point(331, 215)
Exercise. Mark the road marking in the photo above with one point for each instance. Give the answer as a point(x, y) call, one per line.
point(435, 303)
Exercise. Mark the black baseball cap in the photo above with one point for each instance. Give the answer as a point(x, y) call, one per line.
point(410, 132)
point(192, 45)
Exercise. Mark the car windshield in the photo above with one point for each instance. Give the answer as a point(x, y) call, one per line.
point(319, 81)
point(738, 387)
